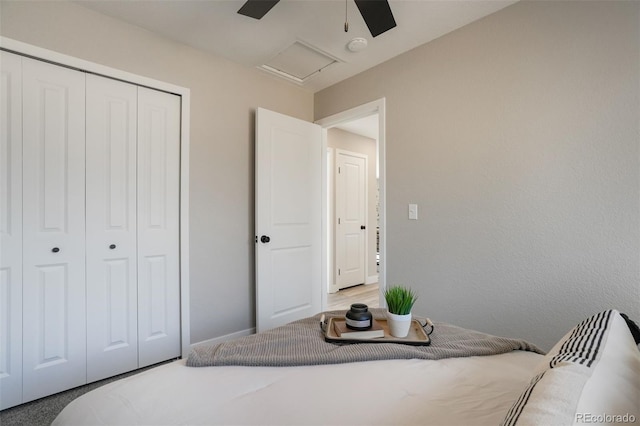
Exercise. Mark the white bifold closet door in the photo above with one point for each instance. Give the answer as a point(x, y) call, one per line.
point(53, 178)
point(112, 290)
point(89, 227)
point(158, 226)
point(10, 230)
point(133, 140)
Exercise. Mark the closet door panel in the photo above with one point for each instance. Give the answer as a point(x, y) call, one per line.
point(54, 323)
point(10, 230)
point(112, 300)
point(158, 226)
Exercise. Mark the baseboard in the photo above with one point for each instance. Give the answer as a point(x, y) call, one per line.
point(226, 337)
point(373, 279)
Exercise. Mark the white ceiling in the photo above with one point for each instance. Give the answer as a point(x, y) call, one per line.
point(216, 27)
point(367, 126)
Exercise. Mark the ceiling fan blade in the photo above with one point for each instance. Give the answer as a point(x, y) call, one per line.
point(257, 8)
point(377, 15)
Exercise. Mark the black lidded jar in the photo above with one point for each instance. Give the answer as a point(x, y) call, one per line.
point(359, 317)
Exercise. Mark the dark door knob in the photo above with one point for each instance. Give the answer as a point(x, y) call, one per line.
point(112, 246)
point(55, 249)
point(363, 227)
point(265, 239)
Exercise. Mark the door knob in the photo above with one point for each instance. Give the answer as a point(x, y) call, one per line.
point(265, 239)
point(112, 246)
point(363, 227)
point(55, 249)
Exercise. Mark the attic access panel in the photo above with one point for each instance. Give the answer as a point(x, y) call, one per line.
point(299, 62)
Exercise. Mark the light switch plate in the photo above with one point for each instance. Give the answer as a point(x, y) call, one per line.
point(413, 211)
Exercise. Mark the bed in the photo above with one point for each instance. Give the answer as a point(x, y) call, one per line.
point(591, 375)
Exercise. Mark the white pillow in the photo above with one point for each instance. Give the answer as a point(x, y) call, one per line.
point(592, 375)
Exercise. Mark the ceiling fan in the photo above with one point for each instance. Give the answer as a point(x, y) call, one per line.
point(376, 13)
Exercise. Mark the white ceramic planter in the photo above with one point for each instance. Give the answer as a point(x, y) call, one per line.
point(399, 324)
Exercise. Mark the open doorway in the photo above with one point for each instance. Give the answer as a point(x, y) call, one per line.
point(354, 214)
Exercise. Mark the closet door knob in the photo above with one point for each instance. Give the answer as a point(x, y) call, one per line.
point(55, 249)
point(265, 239)
point(112, 246)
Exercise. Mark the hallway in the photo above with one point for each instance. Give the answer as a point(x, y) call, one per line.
point(367, 294)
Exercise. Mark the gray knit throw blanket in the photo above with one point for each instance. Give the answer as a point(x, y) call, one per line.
point(302, 343)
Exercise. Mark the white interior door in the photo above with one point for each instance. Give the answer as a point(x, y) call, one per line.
point(112, 299)
point(158, 226)
point(54, 321)
point(351, 218)
point(288, 219)
point(10, 230)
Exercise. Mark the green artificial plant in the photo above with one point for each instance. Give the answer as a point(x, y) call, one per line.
point(400, 299)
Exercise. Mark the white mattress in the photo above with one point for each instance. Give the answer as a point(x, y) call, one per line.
point(455, 391)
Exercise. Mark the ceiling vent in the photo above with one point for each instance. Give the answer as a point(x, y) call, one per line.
point(299, 62)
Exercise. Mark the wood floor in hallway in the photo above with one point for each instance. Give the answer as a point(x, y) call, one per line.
point(367, 294)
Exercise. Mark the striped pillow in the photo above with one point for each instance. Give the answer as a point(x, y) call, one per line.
point(592, 371)
point(584, 341)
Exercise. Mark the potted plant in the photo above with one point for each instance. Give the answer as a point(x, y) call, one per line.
point(400, 301)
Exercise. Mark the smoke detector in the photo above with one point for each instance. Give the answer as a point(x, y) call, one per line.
point(357, 44)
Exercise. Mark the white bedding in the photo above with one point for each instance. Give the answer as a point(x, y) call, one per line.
point(455, 391)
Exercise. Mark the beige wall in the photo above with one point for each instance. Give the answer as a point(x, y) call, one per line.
point(223, 100)
point(517, 136)
point(341, 139)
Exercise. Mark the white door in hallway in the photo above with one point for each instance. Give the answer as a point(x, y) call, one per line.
point(288, 219)
point(351, 218)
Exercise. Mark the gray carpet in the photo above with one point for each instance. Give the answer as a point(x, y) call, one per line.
point(42, 412)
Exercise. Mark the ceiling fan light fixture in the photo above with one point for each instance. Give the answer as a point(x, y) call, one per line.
point(357, 44)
